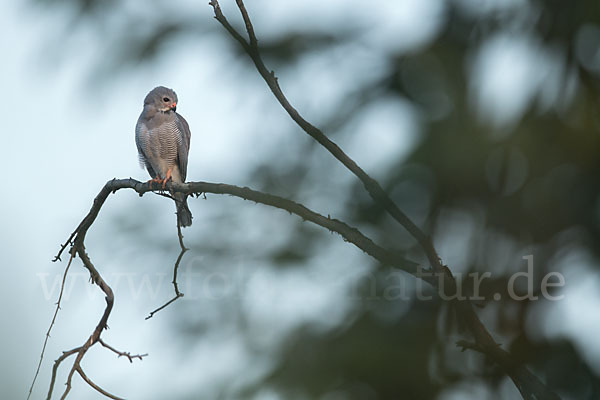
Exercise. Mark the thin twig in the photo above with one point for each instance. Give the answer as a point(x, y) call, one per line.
point(168, 303)
point(60, 295)
point(249, 27)
point(125, 354)
point(63, 246)
point(178, 294)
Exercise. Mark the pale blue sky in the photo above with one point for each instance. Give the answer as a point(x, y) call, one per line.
point(65, 137)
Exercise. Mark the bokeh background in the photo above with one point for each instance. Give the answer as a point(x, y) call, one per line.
point(480, 118)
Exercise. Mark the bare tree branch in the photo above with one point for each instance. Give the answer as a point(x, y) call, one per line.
point(99, 281)
point(98, 388)
point(529, 386)
point(371, 185)
point(57, 363)
point(349, 233)
point(77, 238)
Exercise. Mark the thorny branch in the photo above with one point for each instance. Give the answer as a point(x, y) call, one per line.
point(527, 383)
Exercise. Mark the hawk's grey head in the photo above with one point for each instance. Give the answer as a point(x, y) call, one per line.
point(162, 99)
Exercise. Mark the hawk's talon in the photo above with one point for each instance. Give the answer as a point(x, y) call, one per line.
point(167, 178)
point(154, 180)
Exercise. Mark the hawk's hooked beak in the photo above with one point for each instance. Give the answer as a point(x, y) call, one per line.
point(173, 107)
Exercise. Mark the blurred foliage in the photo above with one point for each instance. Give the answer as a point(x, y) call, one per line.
point(530, 185)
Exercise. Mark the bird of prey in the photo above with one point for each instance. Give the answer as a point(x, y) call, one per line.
point(163, 137)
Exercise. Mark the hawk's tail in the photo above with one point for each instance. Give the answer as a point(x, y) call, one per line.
point(184, 215)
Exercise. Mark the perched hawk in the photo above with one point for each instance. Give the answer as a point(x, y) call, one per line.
point(163, 142)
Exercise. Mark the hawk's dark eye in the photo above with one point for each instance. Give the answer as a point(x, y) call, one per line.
point(165, 99)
